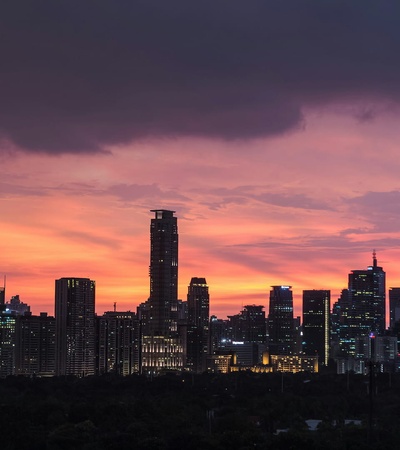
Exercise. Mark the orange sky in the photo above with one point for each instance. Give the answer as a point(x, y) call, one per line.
point(301, 209)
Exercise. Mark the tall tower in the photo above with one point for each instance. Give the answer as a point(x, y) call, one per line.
point(316, 320)
point(75, 326)
point(163, 272)
point(366, 306)
point(394, 306)
point(280, 320)
point(117, 343)
point(198, 300)
point(161, 346)
point(3, 295)
point(367, 293)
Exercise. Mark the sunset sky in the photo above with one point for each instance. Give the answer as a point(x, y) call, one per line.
point(271, 128)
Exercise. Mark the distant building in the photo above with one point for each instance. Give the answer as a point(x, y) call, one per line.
point(117, 343)
point(7, 341)
point(16, 306)
point(394, 306)
point(293, 363)
point(219, 335)
point(220, 363)
point(35, 345)
point(162, 348)
point(75, 326)
point(197, 345)
point(316, 321)
point(367, 297)
point(280, 320)
point(2, 296)
point(249, 325)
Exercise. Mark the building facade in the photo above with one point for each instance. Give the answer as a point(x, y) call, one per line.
point(162, 348)
point(280, 321)
point(117, 343)
point(75, 326)
point(197, 342)
point(316, 324)
point(35, 345)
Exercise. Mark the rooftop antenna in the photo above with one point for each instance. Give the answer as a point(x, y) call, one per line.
point(115, 306)
point(375, 262)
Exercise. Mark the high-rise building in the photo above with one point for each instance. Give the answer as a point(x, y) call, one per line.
point(394, 306)
point(280, 320)
point(198, 301)
point(249, 325)
point(161, 345)
point(219, 334)
point(3, 295)
point(15, 305)
point(75, 326)
point(35, 345)
point(316, 320)
point(367, 297)
point(362, 308)
point(117, 343)
point(7, 341)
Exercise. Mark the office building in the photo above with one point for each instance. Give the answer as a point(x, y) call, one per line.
point(280, 320)
point(7, 340)
point(16, 306)
point(117, 343)
point(316, 324)
point(161, 344)
point(75, 326)
point(197, 345)
point(249, 325)
point(367, 295)
point(35, 345)
point(394, 306)
point(3, 295)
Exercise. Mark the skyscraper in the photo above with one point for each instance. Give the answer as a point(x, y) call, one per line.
point(7, 341)
point(316, 312)
point(161, 346)
point(394, 306)
point(367, 295)
point(198, 300)
point(75, 326)
point(363, 309)
point(117, 343)
point(280, 320)
point(35, 345)
point(3, 295)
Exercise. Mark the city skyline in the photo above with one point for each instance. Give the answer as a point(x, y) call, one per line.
point(272, 132)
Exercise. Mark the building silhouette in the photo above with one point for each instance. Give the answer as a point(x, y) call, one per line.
point(280, 321)
point(161, 344)
point(394, 306)
point(35, 345)
point(15, 305)
point(249, 325)
point(316, 324)
point(7, 341)
point(3, 295)
point(117, 343)
point(367, 296)
point(197, 342)
point(75, 326)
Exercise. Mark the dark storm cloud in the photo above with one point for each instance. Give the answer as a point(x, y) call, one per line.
point(76, 76)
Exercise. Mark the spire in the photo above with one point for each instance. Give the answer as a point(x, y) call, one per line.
point(374, 260)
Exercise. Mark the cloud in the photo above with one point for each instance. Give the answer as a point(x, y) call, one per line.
point(380, 209)
point(79, 76)
point(241, 195)
point(134, 192)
